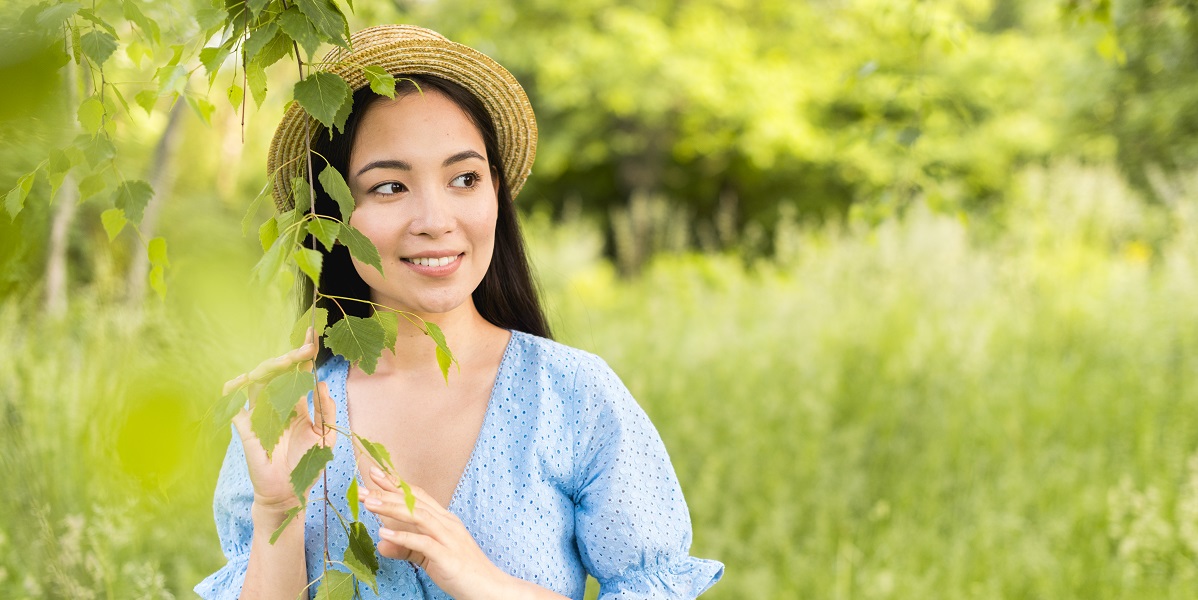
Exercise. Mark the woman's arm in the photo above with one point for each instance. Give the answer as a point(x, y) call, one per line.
point(278, 570)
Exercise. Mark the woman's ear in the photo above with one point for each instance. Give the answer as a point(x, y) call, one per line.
point(495, 179)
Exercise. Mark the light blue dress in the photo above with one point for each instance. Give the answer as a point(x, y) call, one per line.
point(568, 477)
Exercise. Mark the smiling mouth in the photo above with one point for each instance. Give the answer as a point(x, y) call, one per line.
point(433, 262)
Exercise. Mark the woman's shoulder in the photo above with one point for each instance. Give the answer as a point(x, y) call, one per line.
point(543, 354)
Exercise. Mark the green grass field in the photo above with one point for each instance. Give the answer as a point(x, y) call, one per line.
point(938, 406)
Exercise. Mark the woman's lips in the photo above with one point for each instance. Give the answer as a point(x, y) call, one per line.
point(434, 266)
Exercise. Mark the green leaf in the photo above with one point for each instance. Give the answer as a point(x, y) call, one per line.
point(100, 22)
point(268, 424)
point(358, 340)
point(114, 221)
point(379, 453)
point(212, 58)
point(250, 212)
point(172, 80)
point(308, 469)
point(301, 194)
point(274, 49)
point(255, 78)
point(134, 15)
point(309, 261)
point(342, 115)
point(285, 391)
point(156, 250)
point(390, 323)
point(91, 185)
point(51, 18)
point(268, 266)
point(359, 555)
point(56, 170)
point(301, 326)
point(132, 196)
point(444, 355)
point(15, 200)
point(360, 247)
point(300, 29)
point(91, 115)
point(203, 108)
point(268, 233)
point(408, 497)
point(381, 82)
point(351, 498)
point(321, 95)
point(256, 6)
point(98, 149)
point(260, 38)
point(229, 406)
point(146, 99)
point(334, 185)
point(116, 91)
point(158, 281)
point(327, 18)
point(336, 585)
point(138, 52)
point(324, 230)
point(158, 262)
point(444, 359)
point(236, 95)
point(287, 518)
point(209, 18)
point(98, 46)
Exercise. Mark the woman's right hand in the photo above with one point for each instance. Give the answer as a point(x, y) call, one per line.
point(271, 476)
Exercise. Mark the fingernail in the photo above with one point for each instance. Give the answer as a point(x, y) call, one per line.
point(386, 532)
point(373, 502)
point(363, 492)
point(377, 472)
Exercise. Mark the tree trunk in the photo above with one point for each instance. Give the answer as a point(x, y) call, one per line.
point(161, 176)
point(56, 276)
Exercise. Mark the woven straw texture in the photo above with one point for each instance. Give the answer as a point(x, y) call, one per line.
point(406, 49)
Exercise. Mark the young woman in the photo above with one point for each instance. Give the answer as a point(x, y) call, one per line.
point(534, 466)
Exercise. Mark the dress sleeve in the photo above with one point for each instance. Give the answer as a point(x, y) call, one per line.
point(231, 504)
point(631, 522)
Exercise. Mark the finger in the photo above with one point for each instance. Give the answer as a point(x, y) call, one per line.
point(423, 498)
point(410, 546)
point(234, 383)
point(272, 366)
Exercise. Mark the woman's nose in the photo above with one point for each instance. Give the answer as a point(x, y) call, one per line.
point(433, 214)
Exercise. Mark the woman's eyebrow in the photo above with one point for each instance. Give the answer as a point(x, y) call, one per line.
point(463, 155)
point(385, 164)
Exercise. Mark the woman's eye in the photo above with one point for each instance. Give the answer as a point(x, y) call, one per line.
point(465, 180)
point(389, 188)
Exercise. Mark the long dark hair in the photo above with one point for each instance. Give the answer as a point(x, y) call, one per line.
point(507, 296)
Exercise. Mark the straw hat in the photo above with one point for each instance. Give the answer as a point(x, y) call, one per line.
point(406, 49)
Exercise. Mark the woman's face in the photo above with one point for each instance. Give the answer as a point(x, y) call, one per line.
point(426, 197)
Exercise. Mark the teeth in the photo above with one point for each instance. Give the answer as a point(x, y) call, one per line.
point(433, 262)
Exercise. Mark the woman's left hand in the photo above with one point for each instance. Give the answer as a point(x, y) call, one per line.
point(433, 538)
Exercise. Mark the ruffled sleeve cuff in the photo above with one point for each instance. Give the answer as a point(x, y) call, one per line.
point(226, 582)
point(685, 578)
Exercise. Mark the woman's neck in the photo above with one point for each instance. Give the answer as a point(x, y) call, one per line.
point(467, 334)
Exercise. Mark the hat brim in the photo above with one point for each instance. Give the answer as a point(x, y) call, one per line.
point(407, 50)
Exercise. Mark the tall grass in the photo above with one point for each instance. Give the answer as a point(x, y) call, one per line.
point(1002, 407)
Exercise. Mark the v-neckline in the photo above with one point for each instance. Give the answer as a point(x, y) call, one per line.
point(482, 429)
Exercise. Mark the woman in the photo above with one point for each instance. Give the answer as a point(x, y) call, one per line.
point(533, 466)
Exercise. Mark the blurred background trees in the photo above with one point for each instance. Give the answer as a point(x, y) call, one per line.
point(908, 286)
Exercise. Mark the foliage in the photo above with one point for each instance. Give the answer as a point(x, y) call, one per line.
point(817, 106)
point(932, 406)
